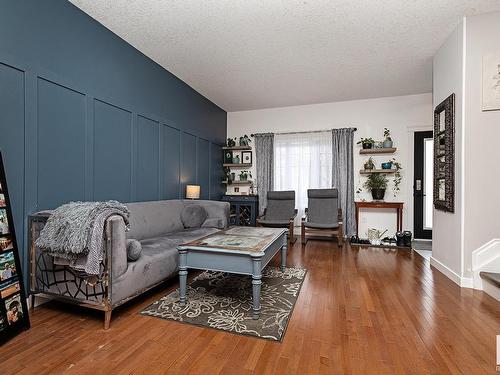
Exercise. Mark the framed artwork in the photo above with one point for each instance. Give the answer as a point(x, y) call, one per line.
point(491, 82)
point(246, 157)
point(228, 157)
point(13, 308)
point(444, 155)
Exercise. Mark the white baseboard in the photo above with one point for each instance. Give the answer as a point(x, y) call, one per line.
point(463, 282)
point(38, 301)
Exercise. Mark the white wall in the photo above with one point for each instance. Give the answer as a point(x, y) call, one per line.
point(447, 235)
point(402, 115)
point(482, 132)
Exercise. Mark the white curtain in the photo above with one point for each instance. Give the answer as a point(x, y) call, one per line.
point(302, 161)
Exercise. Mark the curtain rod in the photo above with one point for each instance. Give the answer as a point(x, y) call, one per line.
point(302, 132)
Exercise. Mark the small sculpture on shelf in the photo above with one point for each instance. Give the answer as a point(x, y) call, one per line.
point(369, 164)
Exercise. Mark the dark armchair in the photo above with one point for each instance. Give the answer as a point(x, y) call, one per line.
point(280, 212)
point(323, 216)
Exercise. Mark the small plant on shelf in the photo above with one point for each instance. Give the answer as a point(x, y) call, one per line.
point(376, 183)
point(231, 142)
point(369, 164)
point(245, 140)
point(366, 143)
point(244, 175)
point(387, 139)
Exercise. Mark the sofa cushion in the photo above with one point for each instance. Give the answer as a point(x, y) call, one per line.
point(153, 219)
point(134, 250)
point(193, 216)
point(159, 259)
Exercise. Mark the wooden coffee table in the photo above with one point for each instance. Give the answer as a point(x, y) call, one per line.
point(240, 250)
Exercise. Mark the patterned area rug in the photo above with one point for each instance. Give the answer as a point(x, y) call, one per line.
point(224, 301)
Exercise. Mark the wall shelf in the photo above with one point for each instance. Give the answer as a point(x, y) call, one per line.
point(377, 151)
point(370, 171)
point(237, 148)
point(248, 182)
point(240, 165)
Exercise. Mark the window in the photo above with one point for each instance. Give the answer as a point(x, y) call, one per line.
point(302, 161)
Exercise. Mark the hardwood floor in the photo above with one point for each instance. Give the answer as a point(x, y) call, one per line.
point(365, 311)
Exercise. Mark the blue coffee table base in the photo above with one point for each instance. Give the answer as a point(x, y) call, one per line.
point(243, 263)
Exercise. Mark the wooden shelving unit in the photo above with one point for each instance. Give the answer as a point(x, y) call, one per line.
point(248, 182)
point(370, 171)
point(377, 151)
point(237, 148)
point(240, 165)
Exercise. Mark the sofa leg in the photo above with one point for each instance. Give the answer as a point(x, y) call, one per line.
point(107, 319)
point(341, 235)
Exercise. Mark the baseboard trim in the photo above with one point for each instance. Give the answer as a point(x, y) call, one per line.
point(38, 302)
point(463, 282)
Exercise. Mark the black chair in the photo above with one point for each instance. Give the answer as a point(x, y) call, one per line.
point(323, 215)
point(280, 212)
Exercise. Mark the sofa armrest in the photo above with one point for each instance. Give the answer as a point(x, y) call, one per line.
point(116, 244)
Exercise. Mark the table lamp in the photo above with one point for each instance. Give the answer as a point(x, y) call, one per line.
point(192, 191)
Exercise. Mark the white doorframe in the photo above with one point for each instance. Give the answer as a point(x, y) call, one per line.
point(411, 174)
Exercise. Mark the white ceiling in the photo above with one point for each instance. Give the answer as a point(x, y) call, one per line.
point(249, 54)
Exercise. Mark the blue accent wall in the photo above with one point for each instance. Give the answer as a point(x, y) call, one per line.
point(85, 116)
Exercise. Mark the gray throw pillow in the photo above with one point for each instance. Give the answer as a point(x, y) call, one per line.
point(193, 216)
point(134, 250)
point(213, 222)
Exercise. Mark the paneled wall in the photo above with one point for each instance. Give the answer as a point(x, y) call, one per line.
point(96, 120)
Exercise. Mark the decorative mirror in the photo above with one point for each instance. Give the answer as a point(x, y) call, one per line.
point(444, 155)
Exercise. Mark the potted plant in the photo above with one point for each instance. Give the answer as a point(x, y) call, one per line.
point(244, 175)
point(245, 140)
point(376, 183)
point(397, 176)
point(369, 164)
point(387, 138)
point(366, 143)
point(231, 142)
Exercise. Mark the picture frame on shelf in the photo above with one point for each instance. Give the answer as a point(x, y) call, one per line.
point(246, 157)
point(228, 157)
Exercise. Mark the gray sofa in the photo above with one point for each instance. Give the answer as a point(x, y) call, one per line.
point(159, 226)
